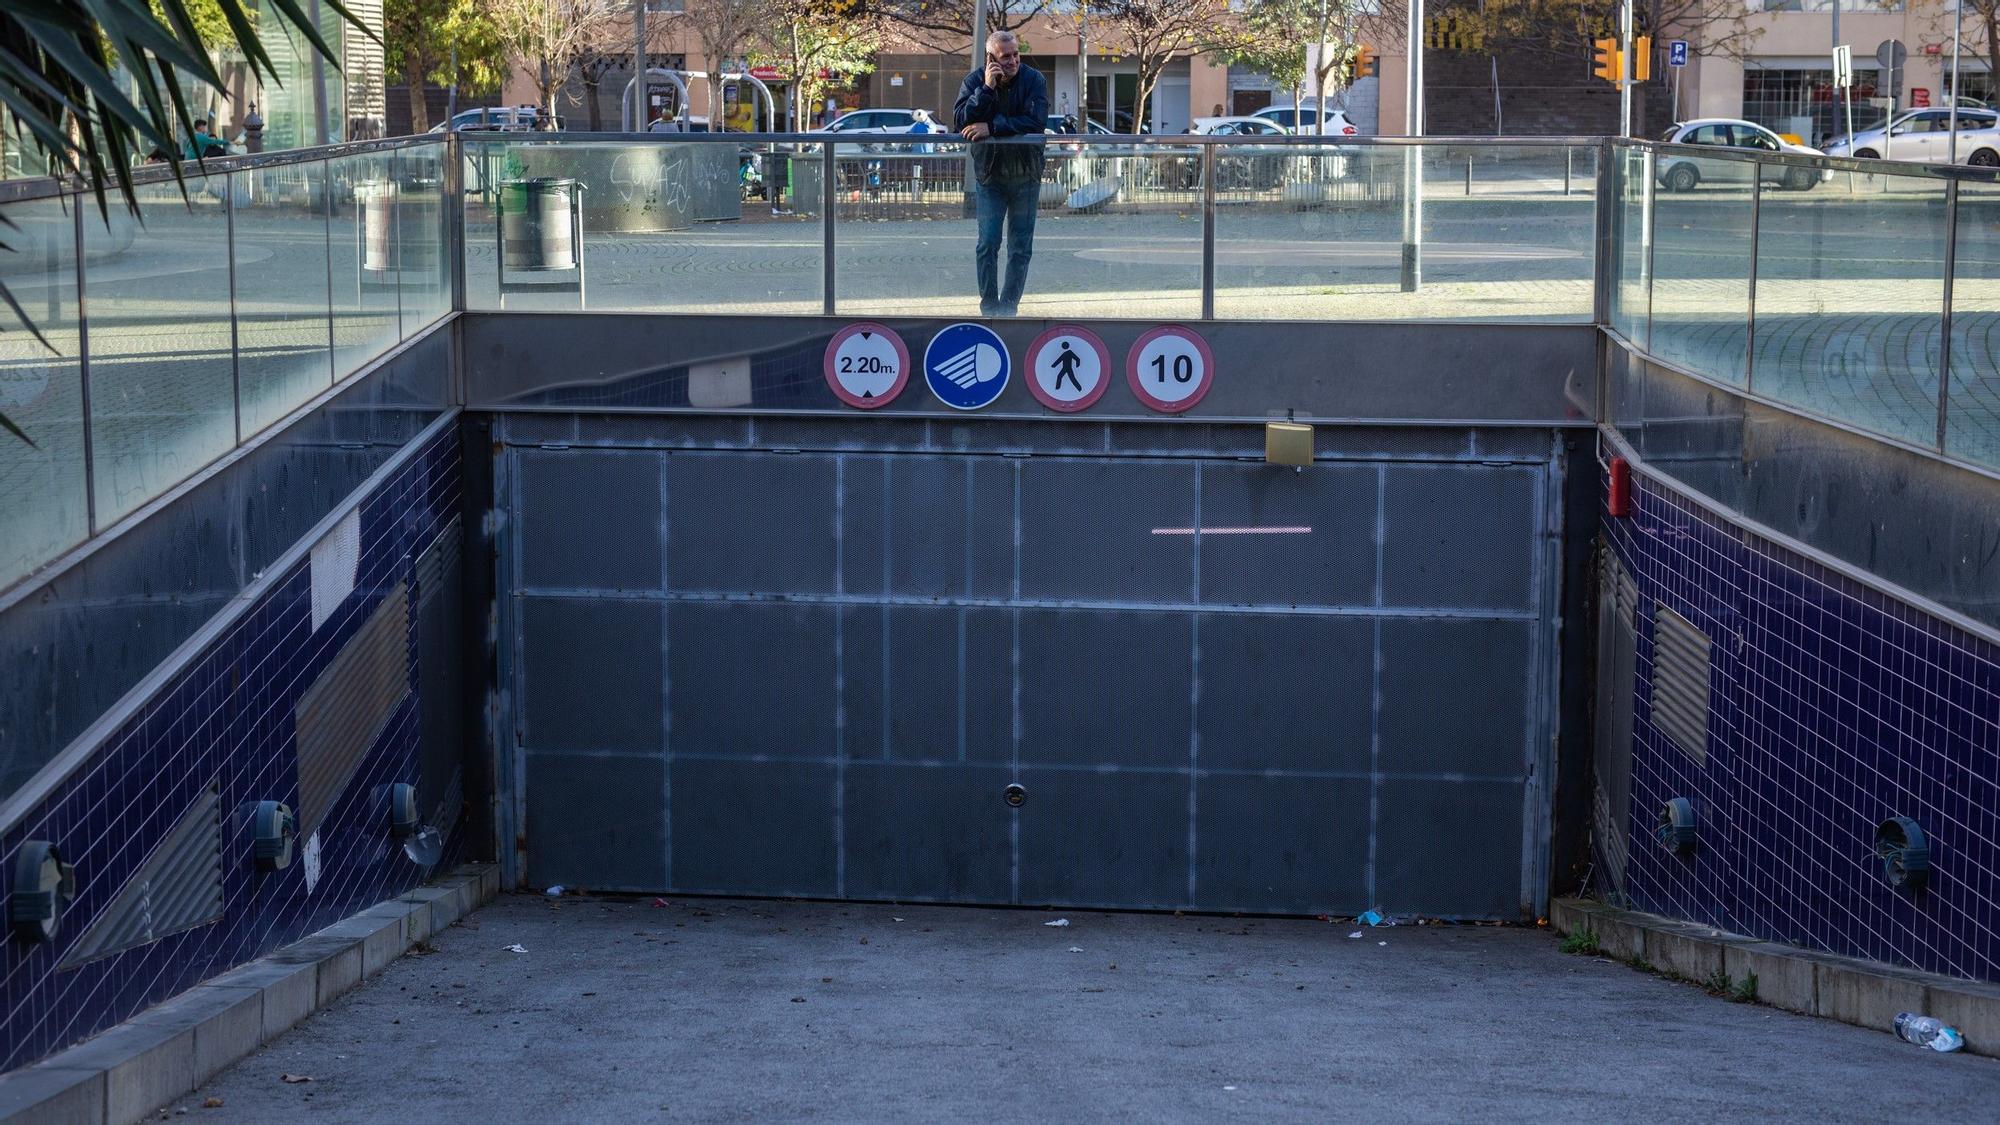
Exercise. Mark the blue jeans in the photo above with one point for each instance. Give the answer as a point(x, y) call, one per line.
point(1012, 202)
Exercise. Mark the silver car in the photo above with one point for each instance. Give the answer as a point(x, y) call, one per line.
point(1924, 136)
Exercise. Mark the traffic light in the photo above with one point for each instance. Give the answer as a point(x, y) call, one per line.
point(1604, 59)
point(1365, 62)
point(1642, 58)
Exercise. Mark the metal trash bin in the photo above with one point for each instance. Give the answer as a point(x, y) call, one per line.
point(538, 231)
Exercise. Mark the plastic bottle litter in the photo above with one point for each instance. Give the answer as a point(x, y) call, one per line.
point(1928, 1031)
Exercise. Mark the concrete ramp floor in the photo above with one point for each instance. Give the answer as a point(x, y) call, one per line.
point(707, 1009)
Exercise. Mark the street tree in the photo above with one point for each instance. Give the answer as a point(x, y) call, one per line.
point(549, 36)
point(1272, 37)
point(1567, 27)
point(1979, 36)
point(1153, 33)
point(945, 26)
point(420, 38)
point(725, 29)
point(804, 39)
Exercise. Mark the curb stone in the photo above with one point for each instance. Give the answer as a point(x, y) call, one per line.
point(1864, 993)
point(125, 1073)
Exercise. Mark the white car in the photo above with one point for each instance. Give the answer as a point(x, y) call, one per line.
point(1235, 127)
point(1924, 136)
point(871, 121)
point(1301, 120)
point(1684, 171)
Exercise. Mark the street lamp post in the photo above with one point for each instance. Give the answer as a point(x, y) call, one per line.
point(1413, 155)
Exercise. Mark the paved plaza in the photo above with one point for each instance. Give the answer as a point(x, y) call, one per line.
point(701, 1009)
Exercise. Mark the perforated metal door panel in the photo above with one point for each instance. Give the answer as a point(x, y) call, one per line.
point(1217, 684)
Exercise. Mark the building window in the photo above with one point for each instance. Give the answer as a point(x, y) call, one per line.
point(1805, 103)
point(1849, 6)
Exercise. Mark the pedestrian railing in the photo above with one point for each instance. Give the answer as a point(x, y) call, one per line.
point(178, 334)
point(1862, 292)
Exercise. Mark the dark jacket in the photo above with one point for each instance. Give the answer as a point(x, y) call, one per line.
point(1018, 114)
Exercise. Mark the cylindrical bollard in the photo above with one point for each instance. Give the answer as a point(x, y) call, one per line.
point(535, 228)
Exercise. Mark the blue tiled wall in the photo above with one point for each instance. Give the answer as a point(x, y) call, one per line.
point(1832, 708)
point(227, 719)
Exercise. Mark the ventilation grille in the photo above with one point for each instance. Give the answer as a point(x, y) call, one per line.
point(177, 888)
point(438, 560)
point(1617, 657)
point(343, 711)
point(1680, 682)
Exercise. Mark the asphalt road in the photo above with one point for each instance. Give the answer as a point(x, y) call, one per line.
point(619, 1010)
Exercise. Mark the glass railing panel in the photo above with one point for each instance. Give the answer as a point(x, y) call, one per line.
point(44, 506)
point(422, 267)
point(1308, 232)
point(1850, 297)
point(670, 225)
point(1117, 229)
point(1631, 238)
point(363, 251)
point(1318, 231)
point(162, 377)
point(1972, 420)
point(1510, 233)
point(1701, 255)
point(284, 329)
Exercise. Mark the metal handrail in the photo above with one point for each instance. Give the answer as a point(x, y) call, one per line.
point(26, 188)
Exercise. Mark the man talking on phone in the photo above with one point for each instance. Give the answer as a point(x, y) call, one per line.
point(1003, 110)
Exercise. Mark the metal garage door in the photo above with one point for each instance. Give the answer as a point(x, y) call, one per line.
point(818, 674)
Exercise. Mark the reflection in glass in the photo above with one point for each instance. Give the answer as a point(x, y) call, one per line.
point(1850, 302)
point(1117, 231)
point(668, 226)
point(284, 336)
point(1316, 232)
point(43, 506)
point(1510, 232)
point(1972, 424)
point(362, 250)
point(1630, 240)
point(162, 379)
point(1702, 243)
point(421, 263)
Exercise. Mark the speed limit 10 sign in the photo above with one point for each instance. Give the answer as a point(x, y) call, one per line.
point(1170, 368)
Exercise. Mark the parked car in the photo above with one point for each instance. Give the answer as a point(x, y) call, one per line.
point(871, 121)
point(1066, 124)
point(1301, 120)
point(1235, 127)
point(1924, 136)
point(499, 119)
point(1684, 171)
